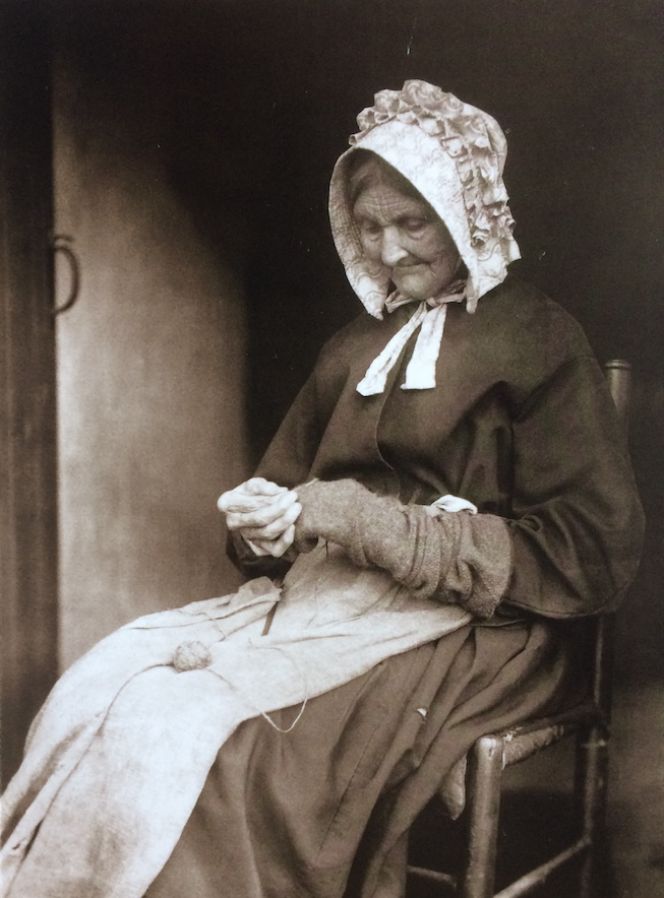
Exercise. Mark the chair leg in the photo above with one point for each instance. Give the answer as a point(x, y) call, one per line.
point(592, 769)
point(485, 776)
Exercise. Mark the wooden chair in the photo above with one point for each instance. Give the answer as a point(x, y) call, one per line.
point(589, 723)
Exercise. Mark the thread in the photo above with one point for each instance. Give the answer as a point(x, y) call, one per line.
point(259, 711)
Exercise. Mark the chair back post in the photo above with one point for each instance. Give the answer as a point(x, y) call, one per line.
point(603, 636)
point(618, 374)
point(619, 378)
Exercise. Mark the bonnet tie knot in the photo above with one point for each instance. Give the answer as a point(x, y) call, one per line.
point(430, 317)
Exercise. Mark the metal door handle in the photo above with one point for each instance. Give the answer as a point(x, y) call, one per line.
point(61, 244)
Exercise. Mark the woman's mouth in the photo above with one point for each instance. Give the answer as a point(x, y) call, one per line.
point(408, 266)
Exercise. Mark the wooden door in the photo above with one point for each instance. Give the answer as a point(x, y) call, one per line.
point(28, 531)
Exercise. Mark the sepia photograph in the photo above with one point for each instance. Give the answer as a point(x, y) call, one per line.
point(333, 440)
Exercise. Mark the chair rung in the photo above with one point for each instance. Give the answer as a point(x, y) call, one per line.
point(537, 876)
point(521, 747)
point(433, 875)
point(585, 712)
point(522, 741)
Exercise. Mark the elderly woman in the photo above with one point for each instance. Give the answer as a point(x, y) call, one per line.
point(447, 495)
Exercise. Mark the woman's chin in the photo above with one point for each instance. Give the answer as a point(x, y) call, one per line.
point(413, 287)
point(419, 284)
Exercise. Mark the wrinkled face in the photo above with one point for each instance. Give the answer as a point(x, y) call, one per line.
point(407, 237)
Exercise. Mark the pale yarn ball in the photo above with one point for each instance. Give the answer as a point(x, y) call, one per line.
point(191, 656)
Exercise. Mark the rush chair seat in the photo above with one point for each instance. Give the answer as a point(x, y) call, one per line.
point(492, 753)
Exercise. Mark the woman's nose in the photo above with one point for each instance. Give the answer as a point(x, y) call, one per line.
point(391, 251)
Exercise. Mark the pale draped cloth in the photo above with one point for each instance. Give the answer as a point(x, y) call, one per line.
point(120, 752)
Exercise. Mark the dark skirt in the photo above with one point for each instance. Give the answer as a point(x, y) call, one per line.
point(323, 811)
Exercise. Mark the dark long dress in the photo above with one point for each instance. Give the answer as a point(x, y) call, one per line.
point(521, 423)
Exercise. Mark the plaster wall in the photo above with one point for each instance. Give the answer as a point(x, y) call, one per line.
point(151, 370)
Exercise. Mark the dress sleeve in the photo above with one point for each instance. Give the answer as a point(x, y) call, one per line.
point(576, 521)
point(456, 558)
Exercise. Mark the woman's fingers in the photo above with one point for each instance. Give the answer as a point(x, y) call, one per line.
point(230, 500)
point(264, 515)
point(275, 547)
point(259, 549)
point(284, 543)
point(273, 529)
point(261, 486)
point(252, 494)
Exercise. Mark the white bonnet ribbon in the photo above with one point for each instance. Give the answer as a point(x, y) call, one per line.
point(375, 379)
point(421, 370)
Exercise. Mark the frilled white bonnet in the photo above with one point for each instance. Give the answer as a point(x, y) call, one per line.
point(454, 155)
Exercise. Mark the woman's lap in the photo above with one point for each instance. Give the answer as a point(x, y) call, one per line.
point(283, 814)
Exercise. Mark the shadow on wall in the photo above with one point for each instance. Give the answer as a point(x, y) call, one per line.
point(151, 379)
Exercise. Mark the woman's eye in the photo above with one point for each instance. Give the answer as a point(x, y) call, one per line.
point(369, 230)
point(415, 225)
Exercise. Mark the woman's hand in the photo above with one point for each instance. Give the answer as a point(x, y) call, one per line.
point(263, 513)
